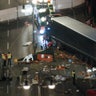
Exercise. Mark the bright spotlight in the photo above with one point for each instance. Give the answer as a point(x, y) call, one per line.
point(40, 1)
point(51, 86)
point(26, 86)
point(89, 70)
point(27, 9)
point(34, 2)
point(45, 1)
point(48, 28)
point(43, 19)
point(42, 31)
point(42, 10)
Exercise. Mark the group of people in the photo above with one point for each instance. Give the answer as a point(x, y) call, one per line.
point(6, 59)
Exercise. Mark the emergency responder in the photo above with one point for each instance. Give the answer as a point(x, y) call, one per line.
point(0, 59)
point(9, 57)
point(4, 59)
point(73, 76)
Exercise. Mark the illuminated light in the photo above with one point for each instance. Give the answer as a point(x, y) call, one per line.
point(43, 19)
point(15, 60)
point(51, 86)
point(42, 56)
point(42, 30)
point(45, 1)
point(27, 1)
point(34, 2)
point(94, 69)
point(40, 1)
point(49, 57)
point(49, 0)
point(48, 28)
point(36, 72)
point(26, 87)
point(35, 31)
point(42, 10)
point(47, 23)
point(89, 70)
point(77, 90)
point(27, 10)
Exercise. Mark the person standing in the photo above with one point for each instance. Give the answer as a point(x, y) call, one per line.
point(0, 59)
point(4, 58)
point(73, 76)
point(9, 57)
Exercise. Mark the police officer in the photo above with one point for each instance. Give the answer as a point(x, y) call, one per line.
point(4, 59)
point(0, 59)
point(73, 76)
point(9, 57)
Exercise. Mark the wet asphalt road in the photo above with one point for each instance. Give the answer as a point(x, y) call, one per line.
point(16, 39)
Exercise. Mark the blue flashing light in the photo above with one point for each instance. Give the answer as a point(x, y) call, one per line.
point(42, 31)
point(48, 28)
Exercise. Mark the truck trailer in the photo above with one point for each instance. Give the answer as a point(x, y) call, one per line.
point(75, 35)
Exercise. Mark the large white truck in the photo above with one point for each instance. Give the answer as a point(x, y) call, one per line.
point(75, 36)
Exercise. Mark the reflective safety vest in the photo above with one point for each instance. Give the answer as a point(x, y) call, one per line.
point(9, 56)
point(3, 56)
point(73, 73)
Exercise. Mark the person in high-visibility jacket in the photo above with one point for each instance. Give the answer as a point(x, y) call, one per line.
point(4, 59)
point(9, 57)
point(73, 76)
